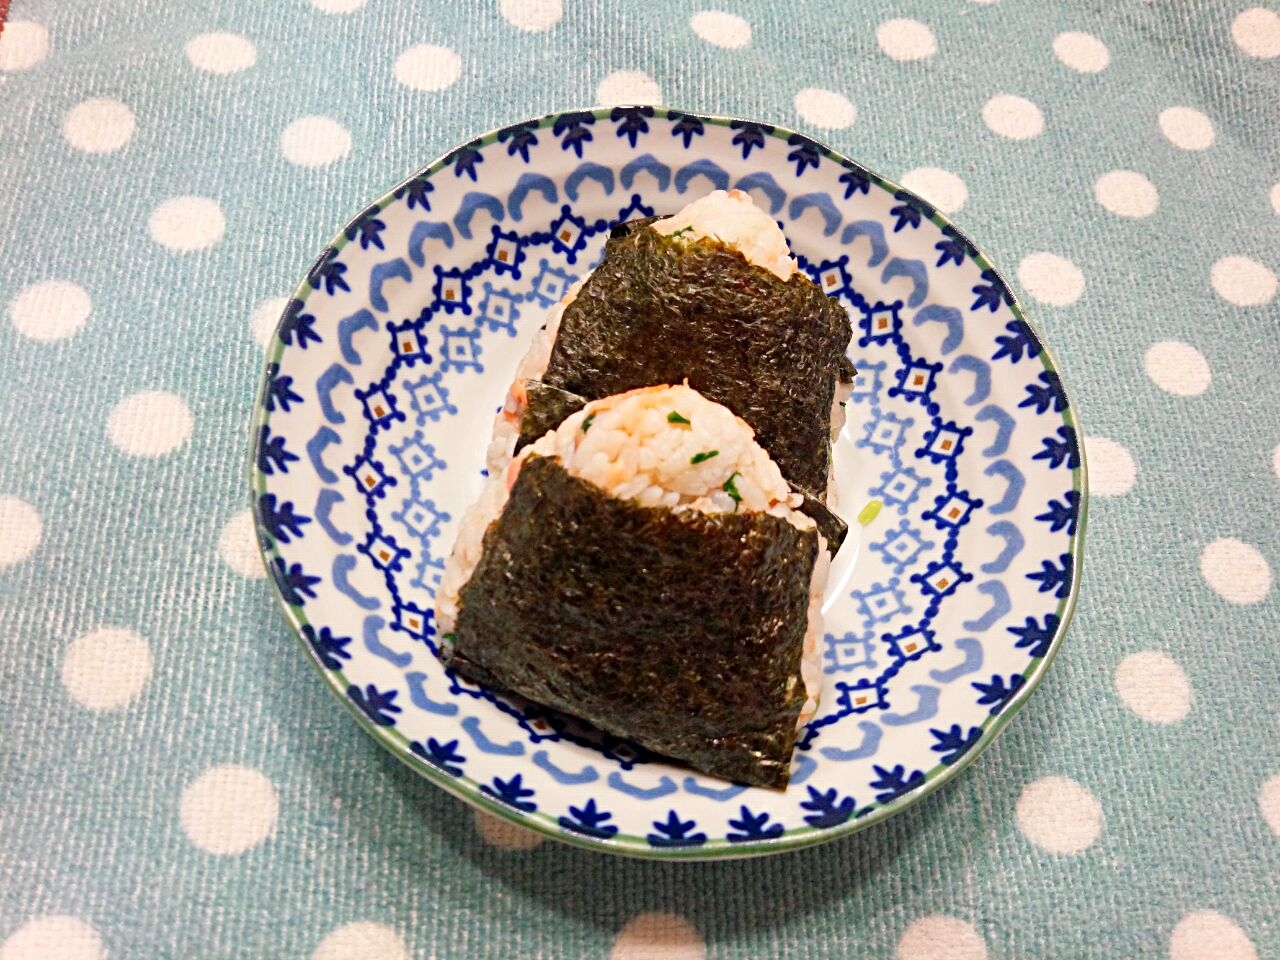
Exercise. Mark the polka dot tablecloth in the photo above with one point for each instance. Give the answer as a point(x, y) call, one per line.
point(174, 781)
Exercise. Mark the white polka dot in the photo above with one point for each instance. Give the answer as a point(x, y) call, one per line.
point(628, 87)
point(825, 108)
point(265, 317)
point(1275, 198)
point(20, 530)
point(1236, 571)
point(315, 142)
point(1257, 33)
point(721, 29)
point(221, 53)
point(229, 809)
point(939, 937)
point(906, 40)
point(1187, 128)
point(185, 224)
point(428, 67)
point(502, 833)
point(338, 6)
point(238, 546)
point(362, 941)
point(150, 424)
point(1014, 117)
point(1059, 815)
point(1081, 52)
point(1154, 687)
point(23, 44)
point(1177, 368)
point(1269, 803)
point(1126, 193)
point(1208, 935)
point(658, 936)
point(50, 310)
point(534, 16)
point(66, 938)
point(101, 125)
point(1242, 281)
point(1111, 467)
point(942, 188)
point(1051, 279)
point(106, 669)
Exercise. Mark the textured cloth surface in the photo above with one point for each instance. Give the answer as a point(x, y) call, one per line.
point(175, 781)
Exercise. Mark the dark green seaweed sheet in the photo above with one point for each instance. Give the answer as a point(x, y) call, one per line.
point(679, 631)
point(662, 310)
point(847, 370)
point(547, 407)
point(832, 528)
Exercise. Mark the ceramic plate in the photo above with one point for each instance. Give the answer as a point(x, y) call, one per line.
point(397, 348)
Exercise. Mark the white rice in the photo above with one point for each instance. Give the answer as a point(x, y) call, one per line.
point(838, 413)
point(732, 218)
point(637, 446)
point(637, 449)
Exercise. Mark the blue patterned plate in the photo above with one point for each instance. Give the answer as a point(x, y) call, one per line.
point(391, 358)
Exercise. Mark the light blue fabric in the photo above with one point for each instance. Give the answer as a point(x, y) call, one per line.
point(97, 755)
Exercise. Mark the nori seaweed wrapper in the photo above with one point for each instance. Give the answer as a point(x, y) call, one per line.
point(628, 227)
point(663, 310)
point(681, 631)
point(832, 528)
point(847, 370)
point(547, 407)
